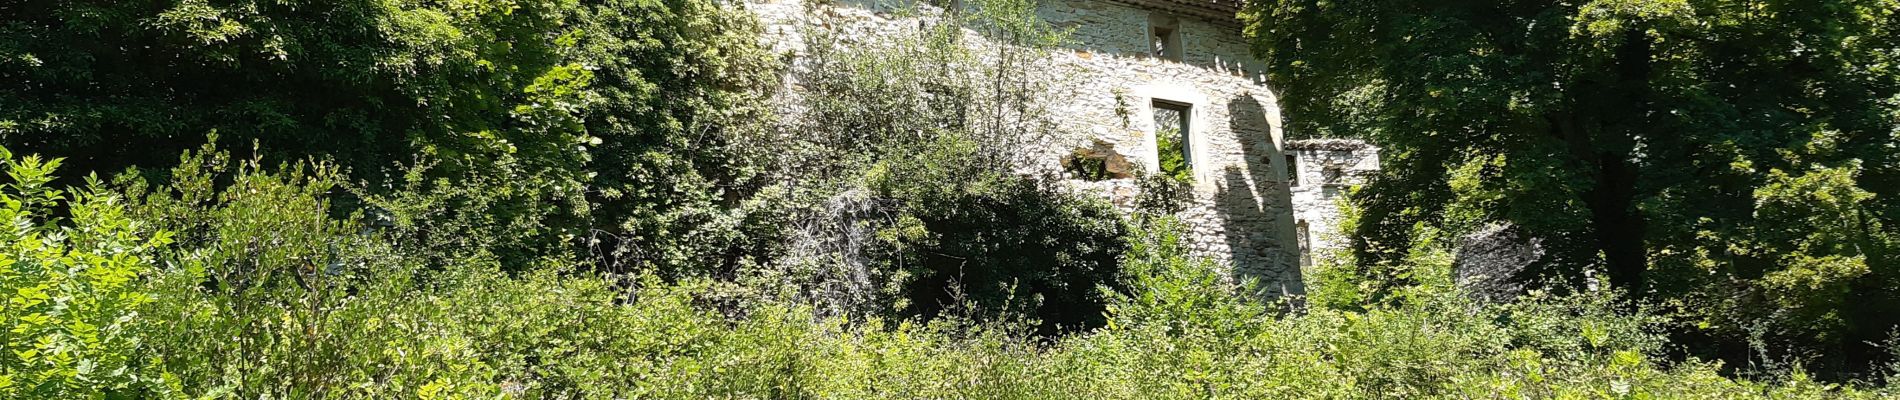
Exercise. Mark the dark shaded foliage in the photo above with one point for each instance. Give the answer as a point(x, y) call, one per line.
point(1019, 248)
point(560, 119)
point(1705, 154)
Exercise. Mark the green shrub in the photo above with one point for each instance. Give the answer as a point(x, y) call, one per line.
point(71, 288)
point(265, 293)
point(1014, 247)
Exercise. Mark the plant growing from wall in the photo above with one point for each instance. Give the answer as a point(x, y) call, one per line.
point(1122, 110)
point(1162, 194)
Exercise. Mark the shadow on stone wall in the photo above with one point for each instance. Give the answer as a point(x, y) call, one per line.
point(1257, 213)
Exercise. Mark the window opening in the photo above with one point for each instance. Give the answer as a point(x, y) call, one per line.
point(1302, 235)
point(1171, 139)
point(1292, 171)
point(1164, 37)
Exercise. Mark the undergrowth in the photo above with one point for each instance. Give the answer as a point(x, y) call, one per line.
point(240, 281)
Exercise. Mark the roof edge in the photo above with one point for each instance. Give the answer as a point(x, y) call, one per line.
point(1219, 11)
point(1327, 144)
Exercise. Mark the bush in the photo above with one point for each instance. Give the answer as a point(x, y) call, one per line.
point(71, 287)
point(1185, 334)
point(1016, 247)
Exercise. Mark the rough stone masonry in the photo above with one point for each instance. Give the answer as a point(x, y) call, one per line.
point(1324, 172)
point(1134, 60)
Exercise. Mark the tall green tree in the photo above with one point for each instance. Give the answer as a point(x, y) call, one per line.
point(543, 120)
point(1733, 158)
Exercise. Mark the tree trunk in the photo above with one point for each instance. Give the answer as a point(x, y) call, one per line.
point(1619, 226)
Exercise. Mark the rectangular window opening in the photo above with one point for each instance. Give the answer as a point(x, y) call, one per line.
point(1164, 36)
point(1172, 139)
point(1292, 171)
point(1302, 235)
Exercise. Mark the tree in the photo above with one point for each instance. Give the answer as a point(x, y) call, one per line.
point(535, 122)
point(1655, 141)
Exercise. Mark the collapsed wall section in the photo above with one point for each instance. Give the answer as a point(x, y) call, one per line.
point(1324, 173)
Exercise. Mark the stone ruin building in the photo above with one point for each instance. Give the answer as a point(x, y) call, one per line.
point(1138, 65)
point(1323, 172)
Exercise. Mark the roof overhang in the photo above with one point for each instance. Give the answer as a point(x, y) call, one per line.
point(1217, 11)
point(1327, 144)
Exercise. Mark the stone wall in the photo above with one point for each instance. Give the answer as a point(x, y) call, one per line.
point(1327, 169)
point(1241, 213)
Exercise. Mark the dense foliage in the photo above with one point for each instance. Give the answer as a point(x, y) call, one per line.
point(265, 294)
point(611, 119)
point(1172, 157)
point(73, 286)
point(1732, 160)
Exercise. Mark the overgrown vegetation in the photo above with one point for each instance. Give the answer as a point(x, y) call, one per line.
point(288, 303)
point(616, 123)
point(915, 140)
point(1731, 160)
point(593, 200)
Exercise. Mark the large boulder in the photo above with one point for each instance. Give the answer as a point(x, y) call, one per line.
point(1492, 263)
